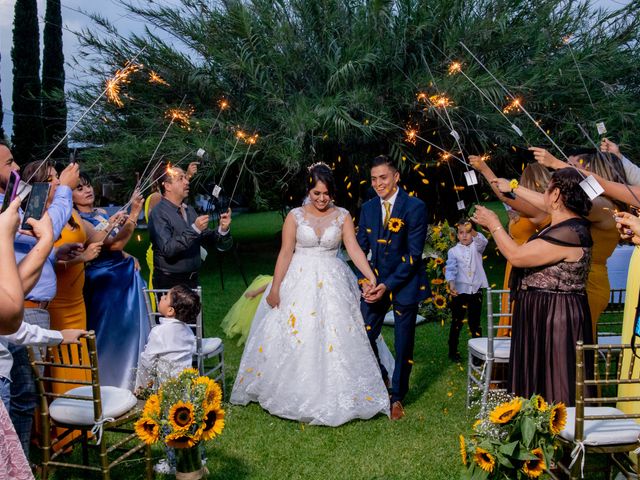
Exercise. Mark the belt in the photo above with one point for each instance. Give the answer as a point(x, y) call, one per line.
point(181, 275)
point(41, 304)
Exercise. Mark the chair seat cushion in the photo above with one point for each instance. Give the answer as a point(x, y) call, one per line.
point(115, 402)
point(210, 345)
point(609, 339)
point(501, 347)
point(602, 432)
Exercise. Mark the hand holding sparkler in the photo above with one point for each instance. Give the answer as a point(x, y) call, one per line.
point(608, 146)
point(479, 163)
point(70, 176)
point(502, 184)
point(201, 223)
point(192, 169)
point(546, 159)
point(486, 218)
point(629, 226)
point(225, 221)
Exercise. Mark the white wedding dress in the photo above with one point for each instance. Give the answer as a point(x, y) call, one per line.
point(310, 359)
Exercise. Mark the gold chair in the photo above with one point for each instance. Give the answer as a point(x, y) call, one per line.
point(595, 424)
point(88, 408)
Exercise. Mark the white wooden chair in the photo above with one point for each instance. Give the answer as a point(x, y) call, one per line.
point(207, 348)
point(486, 352)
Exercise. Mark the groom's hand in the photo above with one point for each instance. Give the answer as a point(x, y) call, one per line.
point(376, 293)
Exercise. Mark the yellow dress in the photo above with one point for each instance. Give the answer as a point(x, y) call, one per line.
point(67, 309)
point(631, 303)
point(150, 249)
point(520, 230)
point(604, 243)
point(239, 318)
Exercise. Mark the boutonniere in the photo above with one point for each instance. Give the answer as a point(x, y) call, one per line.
point(395, 224)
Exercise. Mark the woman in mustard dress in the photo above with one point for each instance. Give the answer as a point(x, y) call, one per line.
point(67, 309)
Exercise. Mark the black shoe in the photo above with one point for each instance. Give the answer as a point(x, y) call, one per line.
point(455, 357)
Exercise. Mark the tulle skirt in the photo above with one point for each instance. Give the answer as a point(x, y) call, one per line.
point(238, 319)
point(310, 359)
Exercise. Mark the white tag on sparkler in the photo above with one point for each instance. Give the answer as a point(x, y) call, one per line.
point(470, 177)
point(24, 189)
point(460, 205)
point(591, 187)
point(517, 130)
point(216, 191)
point(200, 153)
point(455, 135)
point(602, 130)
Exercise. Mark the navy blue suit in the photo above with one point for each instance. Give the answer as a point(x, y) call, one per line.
point(396, 259)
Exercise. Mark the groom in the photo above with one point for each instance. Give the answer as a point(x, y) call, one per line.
point(393, 228)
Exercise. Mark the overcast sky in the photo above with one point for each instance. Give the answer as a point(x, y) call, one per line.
point(74, 20)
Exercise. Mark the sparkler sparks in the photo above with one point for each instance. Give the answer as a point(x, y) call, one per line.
point(223, 104)
point(440, 100)
point(455, 67)
point(411, 136)
point(121, 77)
point(181, 116)
point(157, 79)
point(514, 106)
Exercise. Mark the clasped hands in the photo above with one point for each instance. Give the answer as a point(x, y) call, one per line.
point(372, 292)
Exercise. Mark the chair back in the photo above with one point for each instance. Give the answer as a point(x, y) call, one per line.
point(495, 300)
point(80, 357)
point(600, 370)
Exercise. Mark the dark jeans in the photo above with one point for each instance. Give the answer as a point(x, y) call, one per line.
point(165, 280)
point(405, 332)
point(471, 304)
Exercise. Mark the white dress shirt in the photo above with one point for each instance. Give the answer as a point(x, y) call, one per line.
point(27, 334)
point(170, 349)
point(392, 201)
point(464, 266)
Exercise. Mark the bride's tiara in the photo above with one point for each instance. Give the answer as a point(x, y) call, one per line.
point(317, 164)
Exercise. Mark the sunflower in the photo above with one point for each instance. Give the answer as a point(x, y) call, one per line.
point(188, 372)
point(181, 415)
point(439, 301)
point(152, 407)
point(212, 424)
point(395, 224)
point(147, 430)
point(558, 418)
point(213, 396)
point(437, 281)
point(438, 261)
point(504, 412)
point(463, 451)
point(539, 403)
point(534, 468)
point(484, 459)
point(180, 439)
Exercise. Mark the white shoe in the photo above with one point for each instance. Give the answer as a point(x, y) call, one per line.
point(163, 467)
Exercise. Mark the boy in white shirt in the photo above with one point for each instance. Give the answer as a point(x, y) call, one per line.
point(171, 344)
point(466, 278)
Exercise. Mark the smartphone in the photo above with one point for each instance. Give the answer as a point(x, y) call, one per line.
point(523, 154)
point(10, 191)
point(36, 203)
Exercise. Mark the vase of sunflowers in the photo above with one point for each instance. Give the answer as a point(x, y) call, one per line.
point(516, 439)
point(440, 238)
point(183, 413)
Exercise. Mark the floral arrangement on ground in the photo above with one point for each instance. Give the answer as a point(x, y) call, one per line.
point(185, 411)
point(515, 438)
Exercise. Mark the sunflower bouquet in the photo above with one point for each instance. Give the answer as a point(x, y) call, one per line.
point(440, 238)
point(515, 439)
point(185, 411)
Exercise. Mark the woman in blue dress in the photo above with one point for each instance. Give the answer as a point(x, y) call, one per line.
point(113, 290)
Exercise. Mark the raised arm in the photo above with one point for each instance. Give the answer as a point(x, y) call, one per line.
point(11, 292)
point(30, 267)
point(355, 252)
point(284, 259)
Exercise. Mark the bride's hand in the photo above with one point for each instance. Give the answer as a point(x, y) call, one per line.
point(273, 299)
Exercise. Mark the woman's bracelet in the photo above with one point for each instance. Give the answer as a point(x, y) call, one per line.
point(495, 230)
point(135, 224)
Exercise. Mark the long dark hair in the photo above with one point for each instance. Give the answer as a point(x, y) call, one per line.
point(574, 198)
point(320, 172)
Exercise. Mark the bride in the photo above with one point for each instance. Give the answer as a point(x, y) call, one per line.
point(308, 358)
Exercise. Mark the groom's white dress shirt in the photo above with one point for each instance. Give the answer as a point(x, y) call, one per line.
point(392, 201)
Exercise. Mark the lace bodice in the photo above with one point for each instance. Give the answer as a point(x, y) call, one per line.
point(562, 276)
point(319, 235)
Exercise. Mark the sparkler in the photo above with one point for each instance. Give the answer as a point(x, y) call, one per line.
point(84, 114)
point(411, 136)
point(181, 116)
point(514, 106)
point(251, 140)
point(120, 78)
point(157, 79)
point(524, 110)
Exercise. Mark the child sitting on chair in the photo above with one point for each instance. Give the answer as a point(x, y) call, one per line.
point(466, 279)
point(171, 344)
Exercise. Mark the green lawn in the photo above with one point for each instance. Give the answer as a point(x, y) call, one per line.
point(256, 445)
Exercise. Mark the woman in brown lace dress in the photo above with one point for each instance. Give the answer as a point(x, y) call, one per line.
point(551, 311)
